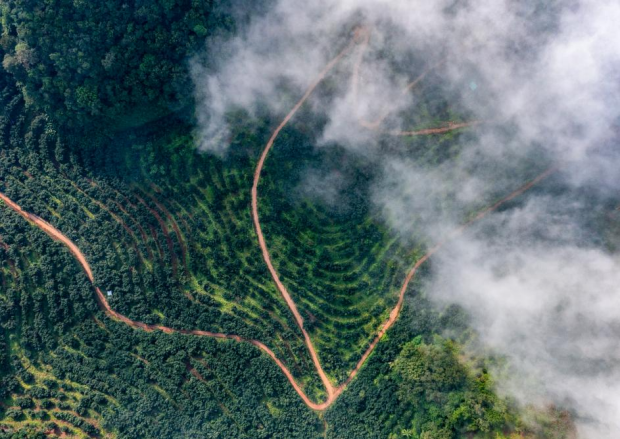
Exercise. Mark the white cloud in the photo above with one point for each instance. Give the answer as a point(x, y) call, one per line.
point(551, 305)
point(543, 292)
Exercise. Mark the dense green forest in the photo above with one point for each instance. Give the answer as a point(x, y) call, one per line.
point(108, 63)
point(168, 232)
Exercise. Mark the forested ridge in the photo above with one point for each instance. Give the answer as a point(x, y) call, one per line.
point(168, 232)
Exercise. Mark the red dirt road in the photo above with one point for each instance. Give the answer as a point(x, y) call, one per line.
point(57, 235)
point(335, 391)
point(360, 38)
point(261, 239)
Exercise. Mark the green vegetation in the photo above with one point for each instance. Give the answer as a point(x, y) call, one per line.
point(83, 62)
point(168, 232)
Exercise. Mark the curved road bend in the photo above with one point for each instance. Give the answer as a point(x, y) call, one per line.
point(57, 235)
point(255, 217)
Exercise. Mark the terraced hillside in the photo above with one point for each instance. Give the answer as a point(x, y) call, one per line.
point(168, 233)
point(64, 363)
point(342, 266)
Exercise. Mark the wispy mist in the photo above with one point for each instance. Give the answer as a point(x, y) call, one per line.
point(543, 294)
point(544, 76)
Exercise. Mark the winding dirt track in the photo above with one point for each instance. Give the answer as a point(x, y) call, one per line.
point(361, 37)
point(57, 235)
point(261, 239)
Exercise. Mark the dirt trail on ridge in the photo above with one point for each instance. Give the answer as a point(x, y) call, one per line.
point(361, 38)
point(255, 217)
